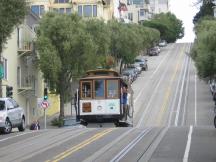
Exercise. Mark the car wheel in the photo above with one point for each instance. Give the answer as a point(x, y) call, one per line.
point(215, 121)
point(21, 128)
point(8, 127)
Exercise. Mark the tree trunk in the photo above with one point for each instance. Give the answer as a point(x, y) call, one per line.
point(62, 98)
point(61, 115)
point(121, 64)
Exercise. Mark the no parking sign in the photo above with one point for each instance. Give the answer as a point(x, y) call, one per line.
point(45, 104)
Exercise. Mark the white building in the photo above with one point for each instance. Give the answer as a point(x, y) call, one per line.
point(135, 11)
point(159, 6)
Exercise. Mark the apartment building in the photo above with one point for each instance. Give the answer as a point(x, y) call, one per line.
point(159, 6)
point(102, 9)
point(137, 10)
point(21, 70)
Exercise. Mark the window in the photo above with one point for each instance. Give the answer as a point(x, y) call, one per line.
point(18, 76)
point(61, 1)
point(129, 2)
point(87, 10)
point(9, 104)
point(142, 12)
point(68, 10)
point(80, 10)
point(5, 66)
point(61, 10)
point(112, 88)
point(37, 9)
point(99, 88)
point(130, 16)
point(15, 105)
point(2, 105)
point(94, 11)
point(86, 89)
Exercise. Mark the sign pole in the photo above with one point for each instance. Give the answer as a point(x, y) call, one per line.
point(44, 118)
point(45, 104)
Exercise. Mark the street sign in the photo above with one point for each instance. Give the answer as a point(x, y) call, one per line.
point(45, 104)
point(1, 71)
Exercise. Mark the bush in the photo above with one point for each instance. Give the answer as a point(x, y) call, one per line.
point(57, 122)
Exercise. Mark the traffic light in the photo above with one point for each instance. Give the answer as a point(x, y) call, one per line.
point(9, 91)
point(45, 94)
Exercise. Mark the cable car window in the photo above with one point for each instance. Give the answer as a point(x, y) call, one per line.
point(99, 88)
point(112, 88)
point(86, 89)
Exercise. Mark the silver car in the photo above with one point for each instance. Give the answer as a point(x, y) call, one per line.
point(11, 115)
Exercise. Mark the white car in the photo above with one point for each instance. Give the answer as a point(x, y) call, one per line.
point(11, 115)
point(162, 43)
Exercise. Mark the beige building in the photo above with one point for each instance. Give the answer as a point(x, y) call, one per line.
point(102, 9)
point(159, 6)
point(21, 71)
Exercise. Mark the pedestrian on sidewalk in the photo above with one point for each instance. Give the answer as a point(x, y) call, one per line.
point(35, 125)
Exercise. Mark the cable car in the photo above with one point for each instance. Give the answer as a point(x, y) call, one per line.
point(103, 96)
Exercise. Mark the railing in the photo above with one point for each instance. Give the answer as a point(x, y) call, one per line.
point(27, 82)
point(25, 38)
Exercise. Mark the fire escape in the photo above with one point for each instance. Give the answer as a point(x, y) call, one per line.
point(26, 69)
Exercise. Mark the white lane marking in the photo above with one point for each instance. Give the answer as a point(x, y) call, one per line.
point(96, 155)
point(123, 152)
point(151, 98)
point(186, 94)
point(17, 136)
point(195, 114)
point(160, 65)
point(175, 97)
point(187, 149)
point(180, 98)
point(138, 96)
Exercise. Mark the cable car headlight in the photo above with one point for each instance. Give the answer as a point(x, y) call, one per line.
point(99, 108)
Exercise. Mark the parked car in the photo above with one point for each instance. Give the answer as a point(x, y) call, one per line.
point(142, 62)
point(158, 49)
point(137, 67)
point(130, 73)
point(11, 115)
point(162, 43)
point(153, 52)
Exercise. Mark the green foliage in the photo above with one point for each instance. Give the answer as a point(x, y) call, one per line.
point(204, 49)
point(169, 26)
point(12, 12)
point(57, 122)
point(206, 9)
point(128, 40)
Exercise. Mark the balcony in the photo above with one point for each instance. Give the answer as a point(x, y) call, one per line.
point(25, 37)
point(26, 84)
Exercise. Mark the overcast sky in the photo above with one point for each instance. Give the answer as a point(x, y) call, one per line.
point(185, 10)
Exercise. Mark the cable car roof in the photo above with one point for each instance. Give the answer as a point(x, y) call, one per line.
point(102, 72)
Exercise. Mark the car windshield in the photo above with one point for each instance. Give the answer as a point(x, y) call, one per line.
point(139, 60)
point(2, 105)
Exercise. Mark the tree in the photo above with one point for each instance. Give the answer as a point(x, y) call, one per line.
point(12, 13)
point(124, 47)
point(169, 26)
point(66, 50)
point(204, 50)
point(101, 37)
point(206, 9)
point(128, 40)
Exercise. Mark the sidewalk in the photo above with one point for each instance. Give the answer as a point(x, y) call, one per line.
point(70, 118)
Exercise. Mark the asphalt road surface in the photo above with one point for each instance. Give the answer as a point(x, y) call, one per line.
point(173, 123)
